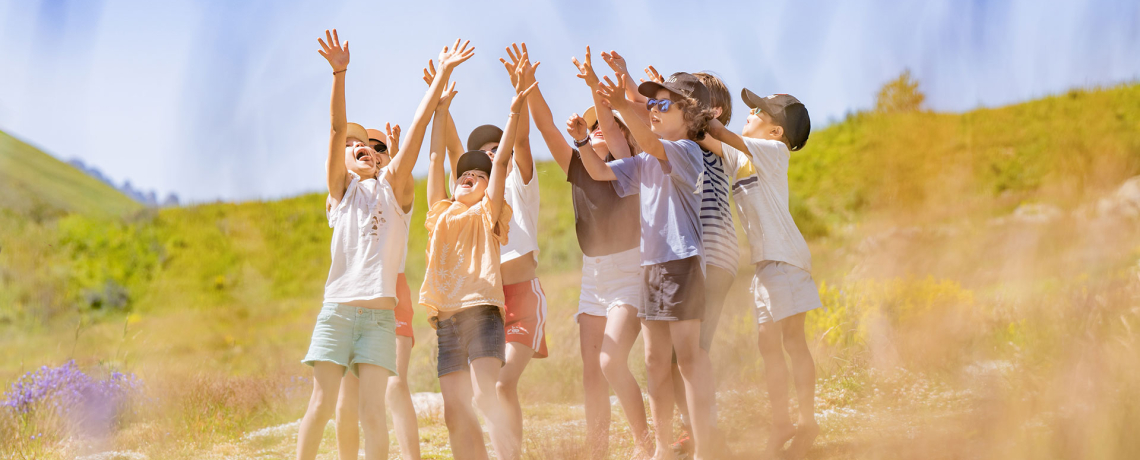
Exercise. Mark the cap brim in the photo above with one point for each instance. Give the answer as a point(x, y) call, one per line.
point(355, 131)
point(650, 88)
point(482, 135)
point(473, 159)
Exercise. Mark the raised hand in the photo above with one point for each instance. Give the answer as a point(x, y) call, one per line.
point(429, 73)
point(520, 92)
point(613, 94)
point(576, 127)
point(456, 54)
point(333, 51)
point(616, 61)
point(392, 139)
point(586, 69)
point(447, 97)
point(653, 75)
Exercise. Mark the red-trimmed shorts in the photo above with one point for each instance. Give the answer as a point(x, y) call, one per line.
point(526, 315)
point(404, 310)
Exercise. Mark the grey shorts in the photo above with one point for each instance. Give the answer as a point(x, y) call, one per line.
point(476, 332)
point(673, 291)
point(782, 290)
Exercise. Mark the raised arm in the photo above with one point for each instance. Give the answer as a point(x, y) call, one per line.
point(437, 179)
point(497, 184)
point(523, 159)
point(618, 64)
point(400, 171)
point(544, 120)
point(720, 133)
point(606, 121)
point(646, 139)
point(337, 55)
point(453, 142)
point(595, 167)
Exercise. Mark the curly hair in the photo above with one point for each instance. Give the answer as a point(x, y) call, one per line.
point(697, 116)
point(718, 95)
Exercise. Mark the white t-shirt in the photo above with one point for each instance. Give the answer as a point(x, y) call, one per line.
point(760, 190)
point(523, 199)
point(369, 242)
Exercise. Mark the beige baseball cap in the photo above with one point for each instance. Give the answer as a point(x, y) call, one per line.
point(591, 117)
point(355, 131)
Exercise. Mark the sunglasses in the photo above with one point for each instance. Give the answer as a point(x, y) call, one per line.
point(756, 111)
point(594, 127)
point(379, 147)
point(663, 105)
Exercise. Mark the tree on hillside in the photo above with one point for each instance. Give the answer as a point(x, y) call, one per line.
point(900, 95)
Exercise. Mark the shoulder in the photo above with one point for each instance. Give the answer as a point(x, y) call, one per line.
point(766, 147)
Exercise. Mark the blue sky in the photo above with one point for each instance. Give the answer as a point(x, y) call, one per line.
point(229, 100)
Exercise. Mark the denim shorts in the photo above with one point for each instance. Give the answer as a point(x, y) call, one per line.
point(348, 336)
point(476, 332)
point(673, 290)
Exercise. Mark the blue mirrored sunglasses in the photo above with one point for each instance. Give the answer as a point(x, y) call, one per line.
point(663, 105)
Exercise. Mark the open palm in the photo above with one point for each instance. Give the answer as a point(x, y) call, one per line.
point(333, 51)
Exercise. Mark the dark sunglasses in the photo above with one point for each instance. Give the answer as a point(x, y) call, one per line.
point(594, 127)
point(663, 105)
point(379, 147)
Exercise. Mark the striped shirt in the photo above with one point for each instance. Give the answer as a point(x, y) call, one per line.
point(718, 234)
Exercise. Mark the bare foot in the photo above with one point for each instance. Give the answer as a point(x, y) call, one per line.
point(640, 453)
point(806, 433)
point(777, 438)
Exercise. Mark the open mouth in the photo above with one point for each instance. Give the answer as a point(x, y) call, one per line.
point(598, 134)
point(362, 154)
point(654, 119)
point(467, 182)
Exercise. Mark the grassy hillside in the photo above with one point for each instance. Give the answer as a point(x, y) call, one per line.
point(948, 331)
point(35, 184)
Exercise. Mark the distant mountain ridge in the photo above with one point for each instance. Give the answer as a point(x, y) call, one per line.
point(148, 198)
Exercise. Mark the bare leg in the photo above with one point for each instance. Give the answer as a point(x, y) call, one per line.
point(776, 374)
point(803, 373)
point(697, 372)
point(400, 403)
point(622, 327)
point(348, 418)
point(485, 372)
point(373, 413)
point(592, 331)
point(518, 356)
point(658, 354)
point(322, 406)
point(462, 423)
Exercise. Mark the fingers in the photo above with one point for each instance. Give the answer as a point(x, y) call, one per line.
point(336, 38)
point(526, 92)
point(588, 58)
point(346, 47)
point(329, 39)
point(577, 64)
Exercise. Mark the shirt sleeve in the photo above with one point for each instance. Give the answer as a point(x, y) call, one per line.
point(770, 158)
point(686, 163)
point(334, 213)
point(437, 210)
point(628, 172)
point(503, 225)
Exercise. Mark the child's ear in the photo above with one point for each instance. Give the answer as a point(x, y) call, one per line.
point(778, 132)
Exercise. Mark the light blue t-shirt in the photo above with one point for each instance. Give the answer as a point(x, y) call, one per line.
point(670, 200)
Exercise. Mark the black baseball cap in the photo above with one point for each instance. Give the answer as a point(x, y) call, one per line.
point(483, 135)
point(680, 83)
point(786, 111)
point(473, 159)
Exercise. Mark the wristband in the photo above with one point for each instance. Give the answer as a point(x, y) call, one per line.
point(584, 141)
point(341, 70)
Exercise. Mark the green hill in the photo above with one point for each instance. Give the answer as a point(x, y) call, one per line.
point(35, 184)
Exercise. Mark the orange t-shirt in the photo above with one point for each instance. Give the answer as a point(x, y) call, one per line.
point(463, 256)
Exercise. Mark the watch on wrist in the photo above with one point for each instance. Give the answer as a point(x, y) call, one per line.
point(584, 141)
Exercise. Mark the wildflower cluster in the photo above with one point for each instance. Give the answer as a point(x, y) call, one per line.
point(53, 399)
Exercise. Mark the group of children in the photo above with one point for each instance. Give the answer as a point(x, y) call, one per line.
point(651, 167)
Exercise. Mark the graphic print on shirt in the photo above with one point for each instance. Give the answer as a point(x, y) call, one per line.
point(371, 229)
point(448, 275)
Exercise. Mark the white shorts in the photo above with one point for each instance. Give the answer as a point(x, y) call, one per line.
point(782, 290)
point(609, 281)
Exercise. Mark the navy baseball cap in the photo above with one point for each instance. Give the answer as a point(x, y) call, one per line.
point(680, 83)
point(786, 111)
point(474, 159)
point(482, 135)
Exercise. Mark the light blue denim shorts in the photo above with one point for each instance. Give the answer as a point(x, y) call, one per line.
point(349, 336)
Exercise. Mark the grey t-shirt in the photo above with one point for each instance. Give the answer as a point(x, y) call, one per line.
point(670, 200)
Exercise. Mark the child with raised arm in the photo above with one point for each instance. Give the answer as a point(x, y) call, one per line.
point(463, 286)
point(355, 330)
point(608, 234)
point(525, 310)
point(665, 176)
point(782, 286)
point(399, 396)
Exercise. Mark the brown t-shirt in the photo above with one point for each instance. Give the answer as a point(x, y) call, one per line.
point(605, 222)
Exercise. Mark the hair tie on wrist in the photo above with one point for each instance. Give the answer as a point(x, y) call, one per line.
point(341, 70)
